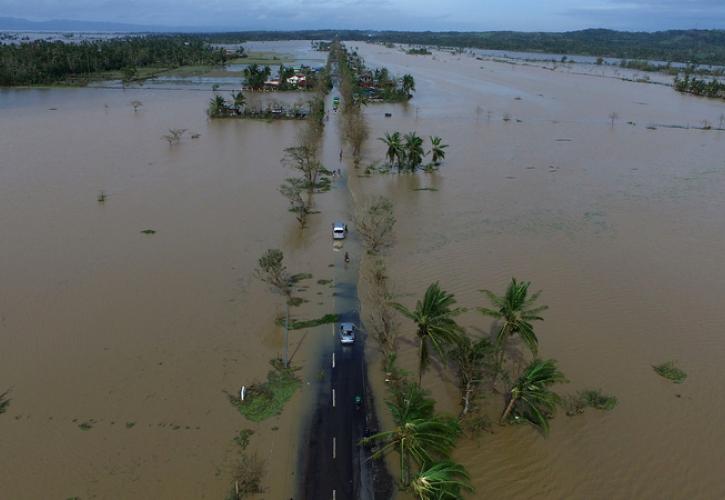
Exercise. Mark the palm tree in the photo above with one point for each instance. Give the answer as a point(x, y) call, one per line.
point(395, 147)
point(441, 481)
point(420, 440)
point(217, 106)
point(437, 150)
point(436, 327)
point(516, 309)
point(239, 101)
point(530, 398)
point(408, 84)
point(413, 148)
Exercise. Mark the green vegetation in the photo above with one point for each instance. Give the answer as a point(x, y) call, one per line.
point(243, 438)
point(148, 231)
point(309, 323)
point(420, 51)
point(445, 479)
point(692, 85)
point(86, 426)
point(264, 400)
point(531, 399)
point(247, 476)
point(41, 62)
point(589, 398)
point(130, 425)
point(669, 371)
point(4, 401)
point(375, 224)
point(406, 151)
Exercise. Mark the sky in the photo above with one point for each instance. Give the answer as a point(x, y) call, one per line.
point(434, 15)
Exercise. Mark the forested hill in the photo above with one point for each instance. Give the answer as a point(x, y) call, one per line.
point(694, 46)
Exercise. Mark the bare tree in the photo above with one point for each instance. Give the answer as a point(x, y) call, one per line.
point(174, 135)
point(375, 224)
point(382, 322)
point(136, 104)
point(304, 159)
point(612, 117)
point(356, 133)
point(292, 189)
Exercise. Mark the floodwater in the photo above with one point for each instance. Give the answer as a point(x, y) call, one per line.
point(623, 229)
point(621, 226)
point(140, 335)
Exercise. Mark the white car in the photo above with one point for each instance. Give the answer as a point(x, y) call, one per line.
point(339, 230)
point(347, 333)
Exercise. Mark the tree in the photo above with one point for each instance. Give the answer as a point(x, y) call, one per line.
point(612, 117)
point(408, 84)
point(531, 398)
point(356, 132)
point(304, 159)
point(217, 106)
point(4, 401)
point(473, 360)
point(441, 480)
point(292, 189)
point(413, 147)
point(271, 270)
point(238, 101)
point(136, 104)
point(256, 76)
point(395, 148)
point(375, 224)
point(433, 317)
point(437, 150)
point(418, 435)
point(517, 310)
point(174, 135)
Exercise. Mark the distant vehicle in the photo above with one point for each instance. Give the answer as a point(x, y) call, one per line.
point(339, 230)
point(347, 333)
point(335, 103)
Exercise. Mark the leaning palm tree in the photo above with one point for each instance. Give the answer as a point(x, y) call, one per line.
point(408, 84)
point(437, 150)
point(531, 398)
point(517, 310)
point(441, 481)
point(395, 147)
point(420, 440)
point(413, 148)
point(436, 327)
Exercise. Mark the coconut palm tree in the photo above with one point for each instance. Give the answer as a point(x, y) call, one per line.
point(517, 310)
point(437, 150)
point(443, 480)
point(436, 327)
point(413, 147)
point(408, 84)
point(239, 101)
point(395, 147)
point(217, 106)
point(420, 440)
point(531, 398)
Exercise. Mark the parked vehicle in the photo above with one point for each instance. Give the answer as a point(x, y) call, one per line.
point(347, 333)
point(339, 230)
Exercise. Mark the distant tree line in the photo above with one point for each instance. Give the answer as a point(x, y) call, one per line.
point(692, 85)
point(42, 62)
point(694, 46)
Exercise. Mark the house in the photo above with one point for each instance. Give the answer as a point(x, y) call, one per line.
point(366, 79)
point(297, 80)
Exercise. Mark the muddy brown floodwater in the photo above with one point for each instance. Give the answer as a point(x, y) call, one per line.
point(621, 227)
point(139, 335)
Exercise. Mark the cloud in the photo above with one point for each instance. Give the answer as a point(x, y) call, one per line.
point(651, 14)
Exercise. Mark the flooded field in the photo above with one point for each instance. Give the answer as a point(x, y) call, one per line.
point(622, 228)
point(138, 336)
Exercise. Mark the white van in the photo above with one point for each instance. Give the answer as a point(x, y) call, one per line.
point(339, 230)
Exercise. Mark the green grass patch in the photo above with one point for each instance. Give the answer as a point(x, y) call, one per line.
point(669, 371)
point(264, 400)
point(589, 398)
point(243, 438)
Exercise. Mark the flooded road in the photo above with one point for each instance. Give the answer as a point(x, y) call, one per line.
point(138, 335)
point(622, 227)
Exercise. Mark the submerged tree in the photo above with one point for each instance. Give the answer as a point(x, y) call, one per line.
point(413, 147)
point(238, 101)
point(531, 398)
point(217, 106)
point(408, 84)
point(4, 401)
point(256, 76)
point(174, 136)
point(474, 360)
point(304, 159)
point(517, 310)
point(271, 270)
point(375, 224)
point(445, 480)
point(293, 189)
point(136, 104)
point(437, 150)
point(394, 153)
point(436, 327)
